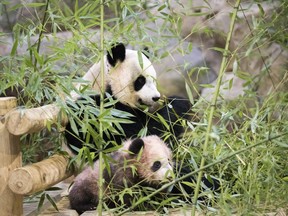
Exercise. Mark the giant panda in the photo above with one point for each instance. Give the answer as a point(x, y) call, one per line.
point(144, 161)
point(131, 84)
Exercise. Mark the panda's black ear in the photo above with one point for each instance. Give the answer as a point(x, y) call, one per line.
point(136, 146)
point(117, 53)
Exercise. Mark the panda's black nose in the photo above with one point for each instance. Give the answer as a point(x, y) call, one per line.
point(155, 98)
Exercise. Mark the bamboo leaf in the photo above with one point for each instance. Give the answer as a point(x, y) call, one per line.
point(262, 12)
point(41, 201)
point(73, 126)
point(162, 120)
point(189, 93)
point(235, 67)
point(14, 48)
point(162, 7)
point(52, 202)
point(140, 59)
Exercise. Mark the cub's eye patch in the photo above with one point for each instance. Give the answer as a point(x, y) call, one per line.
point(156, 166)
point(139, 83)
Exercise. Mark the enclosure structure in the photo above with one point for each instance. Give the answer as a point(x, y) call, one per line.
point(15, 180)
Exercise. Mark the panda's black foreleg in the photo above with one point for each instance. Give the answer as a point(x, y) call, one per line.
point(175, 109)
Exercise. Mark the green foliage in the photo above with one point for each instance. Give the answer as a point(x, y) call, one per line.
point(254, 180)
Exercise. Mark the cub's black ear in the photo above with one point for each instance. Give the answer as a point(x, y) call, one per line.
point(117, 53)
point(136, 146)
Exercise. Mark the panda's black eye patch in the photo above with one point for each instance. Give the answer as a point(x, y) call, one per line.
point(139, 83)
point(156, 166)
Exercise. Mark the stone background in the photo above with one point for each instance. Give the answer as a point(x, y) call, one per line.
point(203, 59)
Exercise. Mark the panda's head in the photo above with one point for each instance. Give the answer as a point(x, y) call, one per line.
point(153, 158)
point(131, 77)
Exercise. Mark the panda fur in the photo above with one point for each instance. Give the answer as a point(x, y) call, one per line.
point(132, 86)
point(144, 161)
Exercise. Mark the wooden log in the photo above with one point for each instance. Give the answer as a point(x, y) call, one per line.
point(40, 176)
point(10, 158)
point(23, 121)
point(7, 104)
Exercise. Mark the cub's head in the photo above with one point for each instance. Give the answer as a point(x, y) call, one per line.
point(131, 77)
point(153, 158)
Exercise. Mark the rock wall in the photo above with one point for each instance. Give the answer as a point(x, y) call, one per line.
point(265, 61)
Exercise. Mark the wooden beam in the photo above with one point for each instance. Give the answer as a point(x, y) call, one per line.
point(23, 121)
point(40, 176)
point(10, 158)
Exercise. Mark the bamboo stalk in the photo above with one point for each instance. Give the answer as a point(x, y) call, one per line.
point(41, 32)
point(213, 105)
point(101, 164)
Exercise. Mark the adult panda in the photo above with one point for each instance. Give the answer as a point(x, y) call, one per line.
point(130, 85)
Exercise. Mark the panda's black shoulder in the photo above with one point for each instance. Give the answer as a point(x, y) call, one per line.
point(175, 106)
point(181, 105)
point(138, 116)
point(173, 110)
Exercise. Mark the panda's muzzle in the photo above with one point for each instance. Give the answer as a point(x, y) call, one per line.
point(141, 102)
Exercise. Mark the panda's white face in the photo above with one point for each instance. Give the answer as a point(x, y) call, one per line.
point(155, 162)
point(132, 84)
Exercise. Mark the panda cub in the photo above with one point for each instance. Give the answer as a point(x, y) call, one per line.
point(130, 84)
point(144, 161)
